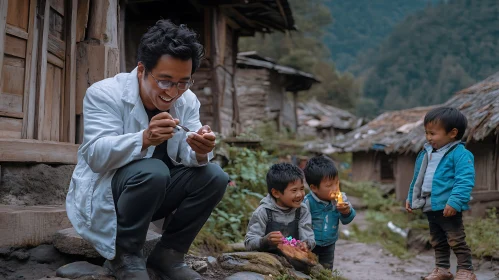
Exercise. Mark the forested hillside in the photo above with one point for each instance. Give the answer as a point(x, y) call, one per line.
point(363, 24)
point(431, 55)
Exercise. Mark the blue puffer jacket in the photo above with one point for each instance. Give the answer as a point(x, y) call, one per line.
point(326, 218)
point(453, 180)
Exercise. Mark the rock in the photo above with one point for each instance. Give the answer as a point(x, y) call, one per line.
point(5, 252)
point(301, 275)
point(45, 254)
point(21, 255)
point(246, 276)
point(258, 262)
point(212, 261)
point(78, 270)
point(237, 247)
point(69, 242)
point(200, 266)
point(54, 278)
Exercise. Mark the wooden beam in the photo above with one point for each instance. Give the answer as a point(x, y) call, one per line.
point(121, 35)
point(4, 6)
point(31, 70)
point(68, 125)
point(281, 10)
point(485, 196)
point(241, 17)
point(28, 150)
point(42, 72)
point(15, 115)
point(82, 20)
point(16, 31)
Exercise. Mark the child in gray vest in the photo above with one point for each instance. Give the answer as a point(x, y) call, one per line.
point(281, 213)
point(322, 177)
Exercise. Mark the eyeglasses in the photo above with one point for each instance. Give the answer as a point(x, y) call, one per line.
point(164, 84)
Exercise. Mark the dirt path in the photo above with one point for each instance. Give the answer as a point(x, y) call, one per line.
point(359, 261)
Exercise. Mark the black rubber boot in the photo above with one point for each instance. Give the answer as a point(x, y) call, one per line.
point(170, 264)
point(127, 266)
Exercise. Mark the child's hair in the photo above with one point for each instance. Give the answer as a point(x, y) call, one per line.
point(318, 168)
point(281, 174)
point(449, 118)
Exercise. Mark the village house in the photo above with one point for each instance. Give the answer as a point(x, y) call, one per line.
point(371, 144)
point(385, 149)
point(262, 86)
point(51, 51)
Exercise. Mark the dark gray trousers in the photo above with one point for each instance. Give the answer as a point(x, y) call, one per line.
point(447, 233)
point(147, 190)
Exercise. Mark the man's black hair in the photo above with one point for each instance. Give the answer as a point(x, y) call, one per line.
point(281, 174)
point(319, 168)
point(449, 118)
point(167, 38)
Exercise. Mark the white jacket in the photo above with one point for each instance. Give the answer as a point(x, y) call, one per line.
point(114, 119)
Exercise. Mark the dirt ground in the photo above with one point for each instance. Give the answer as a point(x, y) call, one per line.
point(358, 261)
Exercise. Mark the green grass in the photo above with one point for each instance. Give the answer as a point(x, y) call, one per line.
point(482, 234)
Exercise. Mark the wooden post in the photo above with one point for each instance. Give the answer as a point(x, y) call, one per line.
point(70, 82)
point(30, 74)
point(4, 6)
point(214, 60)
point(42, 72)
point(121, 36)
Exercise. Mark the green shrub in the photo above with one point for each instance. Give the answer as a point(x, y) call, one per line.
point(481, 234)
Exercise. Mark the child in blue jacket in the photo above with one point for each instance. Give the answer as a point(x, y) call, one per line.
point(322, 177)
point(444, 176)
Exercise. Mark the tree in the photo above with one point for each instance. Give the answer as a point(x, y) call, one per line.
point(306, 51)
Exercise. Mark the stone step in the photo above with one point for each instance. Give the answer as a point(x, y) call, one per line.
point(22, 226)
point(69, 242)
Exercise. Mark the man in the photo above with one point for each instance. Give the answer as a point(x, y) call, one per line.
point(135, 166)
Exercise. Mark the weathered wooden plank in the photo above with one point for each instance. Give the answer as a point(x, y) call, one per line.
point(18, 13)
point(4, 4)
point(27, 150)
point(69, 119)
point(13, 61)
point(90, 60)
point(30, 74)
point(121, 36)
point(47, 110)
point(10, 128)
point(56, 111)
point(11, 102)
point(56, 46)
point(11, 115)
point(103, 24)
point(16, 31)
point(42, 72)
point(55, 60)
point(13, 79)
point(56, 25)
point(58, 5)
point(15, 46)
point(82, 20)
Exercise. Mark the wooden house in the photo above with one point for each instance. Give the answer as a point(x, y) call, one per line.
point(52, 50)
point(371, 146)
point(385, 149)
point(262, 86)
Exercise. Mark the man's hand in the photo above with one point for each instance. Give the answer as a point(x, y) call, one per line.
point(161, 128)
point(449, 211)
point(343, 208)
point(203, 142)
point(408, 207)
point(274, 238)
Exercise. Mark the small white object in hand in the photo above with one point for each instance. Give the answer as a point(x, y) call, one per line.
point(190, 133)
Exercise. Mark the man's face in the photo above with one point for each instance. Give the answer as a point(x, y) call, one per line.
point(436, 135)
point(293, 195)
point(169, 69)
point(328, 188)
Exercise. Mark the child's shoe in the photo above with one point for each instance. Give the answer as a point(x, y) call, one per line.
point(463, 274)
point(440, 274)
